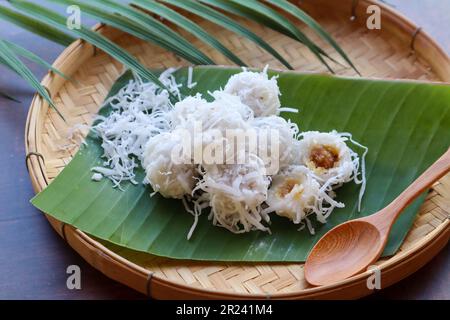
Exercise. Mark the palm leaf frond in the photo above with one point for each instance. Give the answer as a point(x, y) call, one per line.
point(126, 25)
point(33, 57)
point(266, 16)
point(278, 22)
point(310, 22)
point(155, 27)
point(11, 61)
point(35, 26)
point(222, 20)
point(233, 8)
point(134, 19)
point(187, 25)
point(58, 21)
point(260, 13)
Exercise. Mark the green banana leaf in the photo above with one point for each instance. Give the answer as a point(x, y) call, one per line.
point(405, 125)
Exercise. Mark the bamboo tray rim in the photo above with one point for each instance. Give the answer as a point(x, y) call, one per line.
point(440, 232)
point(39, 179)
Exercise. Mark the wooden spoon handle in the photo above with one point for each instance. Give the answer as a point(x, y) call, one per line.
point(388, 215)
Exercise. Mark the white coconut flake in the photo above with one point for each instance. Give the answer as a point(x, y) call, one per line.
point(139, 111)
point(190, 84)
point(76, 136)
point(359, 180)
point(286, 109)
point(97, 177)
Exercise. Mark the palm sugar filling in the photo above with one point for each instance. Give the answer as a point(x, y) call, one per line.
point(324, 156)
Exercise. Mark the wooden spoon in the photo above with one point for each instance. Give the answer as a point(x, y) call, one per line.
point(352, 246)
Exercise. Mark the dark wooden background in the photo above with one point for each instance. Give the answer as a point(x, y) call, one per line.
point(33, 258)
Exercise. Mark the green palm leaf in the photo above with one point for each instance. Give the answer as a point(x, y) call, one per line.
point(304, 17)
point(262, 14)
point(187, 25)
point(96, 39)
point(36, 26)
point(33, 57)
point(155, 27)
point(233, 8)
point(11, 61)
point(220, 19)
point(277, 18)
point(126, 25)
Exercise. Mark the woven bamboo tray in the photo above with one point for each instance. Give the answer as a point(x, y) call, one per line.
point(399, 50)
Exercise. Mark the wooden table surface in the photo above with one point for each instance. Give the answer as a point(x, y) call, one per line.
point(33, 258)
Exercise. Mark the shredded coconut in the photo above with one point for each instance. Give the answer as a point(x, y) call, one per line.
point(97, 177)
point(139, 111)
point(145, 128)
point(190, 84)
point(288, 145)
point(256, 90)
point(170, 179)
point(235, 194)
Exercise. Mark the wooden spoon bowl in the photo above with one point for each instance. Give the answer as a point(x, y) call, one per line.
point(346, 249)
